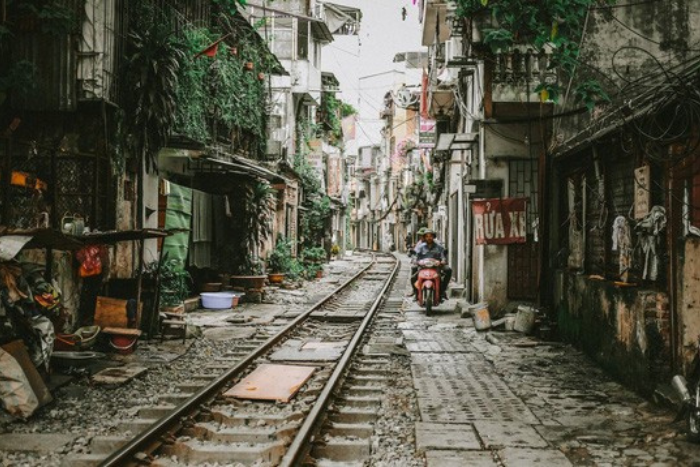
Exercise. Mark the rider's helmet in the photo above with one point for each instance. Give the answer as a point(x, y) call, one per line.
point(429, 231)
point(421, 231)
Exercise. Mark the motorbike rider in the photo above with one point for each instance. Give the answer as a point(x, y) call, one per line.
point(432, 249)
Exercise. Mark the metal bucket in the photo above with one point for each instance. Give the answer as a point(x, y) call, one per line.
point(509, 322)
point(481, 316)
point(525, 319)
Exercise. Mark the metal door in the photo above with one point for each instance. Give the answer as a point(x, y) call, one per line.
point(523, 259)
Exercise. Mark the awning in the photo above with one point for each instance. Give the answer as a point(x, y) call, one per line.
point(245, 166)
point(320, 31)
point(306, 99)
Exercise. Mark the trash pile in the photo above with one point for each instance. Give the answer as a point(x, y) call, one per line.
point(30, 311)
point(525, 319)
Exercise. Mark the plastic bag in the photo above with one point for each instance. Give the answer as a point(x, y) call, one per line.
point(90, 260)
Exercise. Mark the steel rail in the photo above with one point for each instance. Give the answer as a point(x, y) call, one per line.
point(300, 445)
point(127, 453)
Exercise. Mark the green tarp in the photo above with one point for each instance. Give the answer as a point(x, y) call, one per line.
point(178, 215)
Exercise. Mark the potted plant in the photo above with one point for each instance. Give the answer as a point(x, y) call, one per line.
point(314, 255)
point(335, 250)
point(174, 282)
point(313, 258)
point(258, 208)
point(279, 260)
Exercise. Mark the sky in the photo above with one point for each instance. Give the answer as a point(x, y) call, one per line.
point(383, 34)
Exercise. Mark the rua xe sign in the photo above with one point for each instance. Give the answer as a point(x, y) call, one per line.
point(499, 221)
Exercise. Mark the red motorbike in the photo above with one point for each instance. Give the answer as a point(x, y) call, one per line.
point(428, 284)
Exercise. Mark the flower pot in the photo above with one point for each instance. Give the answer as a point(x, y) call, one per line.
point(319, 274)
point(249, 66)
point(261, 76)
point(248, 282)
point(276, 278)
point(211, 287)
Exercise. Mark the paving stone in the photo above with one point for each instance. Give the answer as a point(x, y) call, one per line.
point(37, 442)
point(509, 434)
point(445, 436)
point(459, 459)
point(460, 388)
point(517, 457)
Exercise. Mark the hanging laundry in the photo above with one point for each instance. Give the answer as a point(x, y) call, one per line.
point(622, 242)
point(202, 229)
point(648, 233)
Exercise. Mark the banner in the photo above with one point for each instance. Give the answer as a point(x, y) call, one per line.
point(348, 126)
point(500, 221)
point(426, 133)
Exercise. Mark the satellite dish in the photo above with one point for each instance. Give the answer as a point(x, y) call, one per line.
point(405, 98)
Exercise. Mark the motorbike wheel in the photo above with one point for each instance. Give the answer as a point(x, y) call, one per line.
point(428, 301)
point(694, 415)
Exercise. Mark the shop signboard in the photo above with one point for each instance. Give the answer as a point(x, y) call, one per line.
point(500, 221)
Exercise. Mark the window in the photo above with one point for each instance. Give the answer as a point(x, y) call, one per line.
point(303, 33)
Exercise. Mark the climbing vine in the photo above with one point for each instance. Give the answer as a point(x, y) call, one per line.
point(555, 24)
point(228, 88)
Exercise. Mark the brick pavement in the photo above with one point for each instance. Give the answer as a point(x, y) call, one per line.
point(514, 401)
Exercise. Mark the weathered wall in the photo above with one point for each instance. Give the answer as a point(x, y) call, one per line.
point(495, 257)
point(635, 39)
point(625, 329)
point(689, 311)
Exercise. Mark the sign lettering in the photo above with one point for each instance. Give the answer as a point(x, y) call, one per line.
point(500, 221)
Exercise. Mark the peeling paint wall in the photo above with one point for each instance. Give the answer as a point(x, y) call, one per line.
point(689, 312)
point(626, 330)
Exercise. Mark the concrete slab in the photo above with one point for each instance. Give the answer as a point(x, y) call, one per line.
point(272, 382)
point(517, 457)
point(459, 459)
point(445, 436)
point(508, 434)
point(304, 351)
point(34, 442)
point(118, 375)
point(230, 332)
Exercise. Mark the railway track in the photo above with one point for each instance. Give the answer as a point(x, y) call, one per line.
point(209, 428)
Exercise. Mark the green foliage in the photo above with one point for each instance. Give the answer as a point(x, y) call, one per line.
point(174, 280)
point(54, 18)
point(330, 117)
point(555, 23)
point(314, 254)
point(220, 89)
point(589, 92)
point(151, 76)
point(19, 80)
point(259, 209)
point(280, 259)
point(347, 110)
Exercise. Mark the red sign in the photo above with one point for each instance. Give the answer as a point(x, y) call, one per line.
point(500, 221)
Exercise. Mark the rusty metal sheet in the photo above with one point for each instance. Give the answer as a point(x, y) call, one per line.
point(272, 383)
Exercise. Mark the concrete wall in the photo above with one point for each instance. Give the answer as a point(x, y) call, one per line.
point(662, 28)
point(626, 330)
point(492, 260)
point(689, 309)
